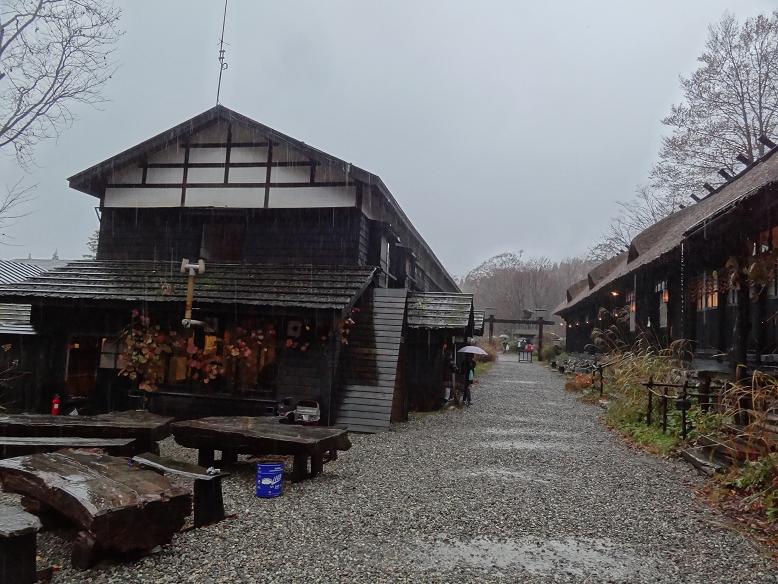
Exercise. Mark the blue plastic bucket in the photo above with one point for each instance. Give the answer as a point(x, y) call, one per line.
point(270, 479)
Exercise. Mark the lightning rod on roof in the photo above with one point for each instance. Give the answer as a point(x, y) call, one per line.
point(767, 142)
point(723, 172)
point(744, 159)
point(222, 63)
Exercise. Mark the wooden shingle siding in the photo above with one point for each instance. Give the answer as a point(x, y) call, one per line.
point(312, 236)
point(367, 401)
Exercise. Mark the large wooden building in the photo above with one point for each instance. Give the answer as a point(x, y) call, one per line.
point(707, 274)
point(309, 262)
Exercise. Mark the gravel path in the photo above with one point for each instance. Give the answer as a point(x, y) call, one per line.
point(524, 486)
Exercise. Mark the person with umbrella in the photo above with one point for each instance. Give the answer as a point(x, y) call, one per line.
point(468, 369)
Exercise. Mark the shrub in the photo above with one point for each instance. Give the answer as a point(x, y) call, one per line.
point(550, 352)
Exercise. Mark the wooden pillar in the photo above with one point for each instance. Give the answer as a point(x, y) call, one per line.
point(329, 360)
point(540, 339)
point(491, 328)
point(743, 321)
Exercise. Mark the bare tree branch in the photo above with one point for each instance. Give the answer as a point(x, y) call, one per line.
point(53, 54)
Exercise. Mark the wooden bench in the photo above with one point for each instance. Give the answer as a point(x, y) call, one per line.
point(116, 506)
point(18, 546)
point(11, 446)
point(144, 427)
point(208, 500)
point(248, 435)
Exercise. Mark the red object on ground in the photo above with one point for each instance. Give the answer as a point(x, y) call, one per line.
point(55, 405)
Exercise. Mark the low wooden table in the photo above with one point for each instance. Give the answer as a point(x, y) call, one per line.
point(116, 506)
point(145, 428)
point(246, 435)
point(11, 446)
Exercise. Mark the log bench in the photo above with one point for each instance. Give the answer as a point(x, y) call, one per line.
point(254, 435)
point(11, 446)
point(115, 506)
point(208, 499)
point(18, 546)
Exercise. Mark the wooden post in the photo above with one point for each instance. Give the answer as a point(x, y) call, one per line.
point(540, 338)
point(300, 467)
point(683, 411)
point(663, 408)
point(491, 328)
point(650, 408)
point(208, 501)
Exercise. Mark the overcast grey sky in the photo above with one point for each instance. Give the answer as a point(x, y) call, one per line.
point(499, 125)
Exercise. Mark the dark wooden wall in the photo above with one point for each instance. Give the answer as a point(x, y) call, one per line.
point(335, 236)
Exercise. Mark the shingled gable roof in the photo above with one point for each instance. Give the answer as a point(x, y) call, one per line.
point(667, 234)
point(294, 286)
point(440, 310)
point(92, 181)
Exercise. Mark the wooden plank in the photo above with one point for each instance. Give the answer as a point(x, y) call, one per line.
point(21, 445)
point(349, 400)
point(385, 409)
point(185, 469)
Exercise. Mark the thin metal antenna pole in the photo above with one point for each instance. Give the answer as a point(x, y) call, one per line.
point(222, 64)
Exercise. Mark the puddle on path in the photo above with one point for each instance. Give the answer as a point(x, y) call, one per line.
point(581, 557)
point(526, 445)
point(521, 419)
point(498, 472)
point(529, 432)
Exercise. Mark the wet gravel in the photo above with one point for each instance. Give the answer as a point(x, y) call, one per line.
point(523, 486)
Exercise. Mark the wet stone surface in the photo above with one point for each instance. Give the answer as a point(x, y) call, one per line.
point(438, 500)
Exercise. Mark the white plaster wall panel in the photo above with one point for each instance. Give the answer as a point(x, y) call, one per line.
point(164, 175)
point(255, 174)
point(217, 155)
point(228, 197)
point(285, 153)
point(330, 173)
point(172, 153)
point(245, 134)
point(290, 174)
point(215, 133)
point(205, 175)
point(133, 198)
point(311, 197)
point(243, 154)
point(130, 174)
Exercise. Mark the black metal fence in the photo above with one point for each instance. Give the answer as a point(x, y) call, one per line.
point(666, 397)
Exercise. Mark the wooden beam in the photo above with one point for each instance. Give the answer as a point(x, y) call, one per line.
point(219, 185)
point(227, 155)
point(267, 174)
point(183, 181)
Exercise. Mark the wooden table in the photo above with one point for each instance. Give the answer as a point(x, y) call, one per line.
point(116, 506)
point(257, 436)
point(11, 446)
point(145, 428)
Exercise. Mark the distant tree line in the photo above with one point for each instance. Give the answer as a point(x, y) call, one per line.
point(728, 102)
point(511, 283)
